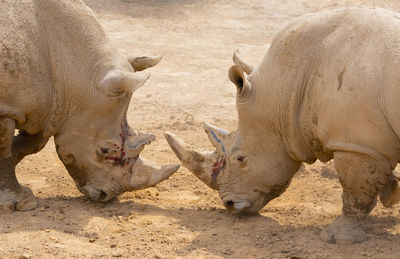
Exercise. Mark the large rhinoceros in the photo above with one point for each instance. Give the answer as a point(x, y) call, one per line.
point(328, 88)
point(61, 77)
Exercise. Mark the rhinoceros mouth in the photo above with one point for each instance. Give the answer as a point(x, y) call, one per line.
point(95, 194)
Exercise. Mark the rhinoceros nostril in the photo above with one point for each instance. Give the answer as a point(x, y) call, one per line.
point(103, 195)
point(229, 204)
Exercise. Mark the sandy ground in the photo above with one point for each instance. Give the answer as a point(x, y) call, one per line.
point(181, 217)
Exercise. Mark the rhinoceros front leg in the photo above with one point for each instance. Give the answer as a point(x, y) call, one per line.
point(362, 178)
point(13, 196)
point(25, 144)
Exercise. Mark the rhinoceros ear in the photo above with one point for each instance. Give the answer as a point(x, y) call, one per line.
point(117, 83)
point(218, 137)
point(237, 77)
point(237, 59)
point(142, 63)
point(130, 82)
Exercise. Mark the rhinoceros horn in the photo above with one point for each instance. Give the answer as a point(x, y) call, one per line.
point(146, 173)
point(137, 142)
point(218, 137)
point(237, 59)
point(205, 165)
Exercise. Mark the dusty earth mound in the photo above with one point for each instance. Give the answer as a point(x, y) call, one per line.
point(182, 217)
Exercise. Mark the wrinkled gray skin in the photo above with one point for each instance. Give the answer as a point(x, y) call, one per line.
point(328, 88)
point(61, 77)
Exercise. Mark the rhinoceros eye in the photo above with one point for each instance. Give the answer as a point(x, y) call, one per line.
point(104, 150)
point(241, 158)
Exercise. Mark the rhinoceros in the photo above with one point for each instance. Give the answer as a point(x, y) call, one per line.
point(60, 76)
point(328, 88)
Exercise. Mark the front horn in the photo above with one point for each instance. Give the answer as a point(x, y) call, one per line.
point(205, 165)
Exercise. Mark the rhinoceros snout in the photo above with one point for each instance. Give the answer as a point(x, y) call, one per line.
point(238, 207)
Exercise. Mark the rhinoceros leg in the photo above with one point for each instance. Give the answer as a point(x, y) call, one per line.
point(25, 144)
point(13, 196)
point(362, 178)
point(390, 193)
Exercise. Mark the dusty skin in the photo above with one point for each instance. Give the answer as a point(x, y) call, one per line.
point(182, 217)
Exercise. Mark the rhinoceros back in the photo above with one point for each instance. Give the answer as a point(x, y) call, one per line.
point(336, 75)
point(49, 53)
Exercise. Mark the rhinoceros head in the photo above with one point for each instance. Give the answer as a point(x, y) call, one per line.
point(250, 166)
point(97, 146)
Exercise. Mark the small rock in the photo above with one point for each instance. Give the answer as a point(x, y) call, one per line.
point(53, 238)
point(113, 245)
point(24, 256)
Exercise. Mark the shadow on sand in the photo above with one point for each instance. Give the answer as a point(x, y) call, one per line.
point(215, 230)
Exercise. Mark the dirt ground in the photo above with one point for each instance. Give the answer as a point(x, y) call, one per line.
point(181, 217)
